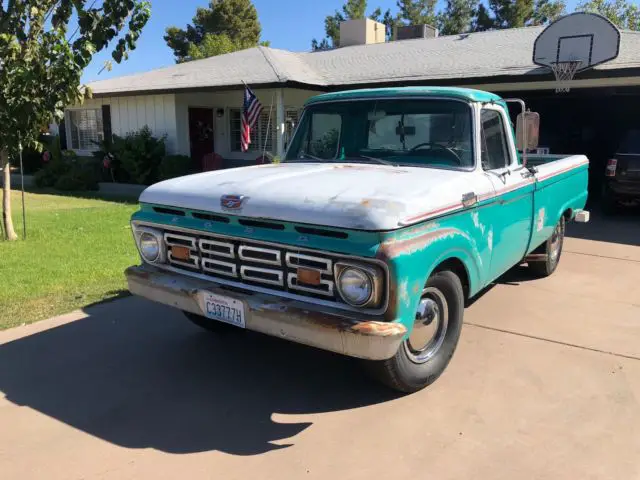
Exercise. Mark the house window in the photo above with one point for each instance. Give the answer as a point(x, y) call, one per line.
point(260, 137)
point(85, 128)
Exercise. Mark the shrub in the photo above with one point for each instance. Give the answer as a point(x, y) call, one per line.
point(173, 166)
point(51, 172)
point(77, 179)
point(139, 154)
point(32, 161)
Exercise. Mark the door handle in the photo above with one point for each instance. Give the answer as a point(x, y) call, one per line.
point(469, 199)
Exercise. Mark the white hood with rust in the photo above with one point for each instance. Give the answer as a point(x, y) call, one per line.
point(358, 196)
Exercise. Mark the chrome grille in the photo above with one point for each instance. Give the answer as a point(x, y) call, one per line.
point(251, 263)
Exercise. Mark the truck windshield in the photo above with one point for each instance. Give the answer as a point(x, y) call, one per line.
point(429, 133)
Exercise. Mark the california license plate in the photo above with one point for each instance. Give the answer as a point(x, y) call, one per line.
point(222, 309)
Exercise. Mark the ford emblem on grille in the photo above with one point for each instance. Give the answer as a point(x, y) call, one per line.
point(231, 202)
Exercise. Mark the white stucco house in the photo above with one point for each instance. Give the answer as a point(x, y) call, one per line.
point(197, 104)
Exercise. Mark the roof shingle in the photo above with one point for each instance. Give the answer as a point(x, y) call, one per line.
point(474, 55)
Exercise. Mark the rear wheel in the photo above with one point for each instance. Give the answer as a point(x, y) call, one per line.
point(208, 324)
point(423, 356)
point(552, 248)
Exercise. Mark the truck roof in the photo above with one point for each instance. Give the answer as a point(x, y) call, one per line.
point(468, 94)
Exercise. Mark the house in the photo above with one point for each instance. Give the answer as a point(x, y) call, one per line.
point(197, 104)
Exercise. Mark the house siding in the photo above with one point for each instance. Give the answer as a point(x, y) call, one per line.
point(129, 114)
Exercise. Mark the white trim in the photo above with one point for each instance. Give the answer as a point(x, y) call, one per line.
point(551, 84)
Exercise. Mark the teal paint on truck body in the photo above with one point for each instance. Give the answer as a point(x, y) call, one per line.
point(513, 211)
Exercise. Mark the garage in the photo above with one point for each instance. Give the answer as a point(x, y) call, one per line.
point(591, 121)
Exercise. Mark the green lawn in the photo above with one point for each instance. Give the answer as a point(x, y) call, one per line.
point(75, 254)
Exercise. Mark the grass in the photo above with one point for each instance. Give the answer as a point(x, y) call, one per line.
point(74, 255)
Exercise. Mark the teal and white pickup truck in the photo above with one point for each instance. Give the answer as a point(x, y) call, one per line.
point(391, 209)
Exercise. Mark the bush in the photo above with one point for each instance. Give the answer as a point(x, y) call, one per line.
point(52, 171)
point(68, 172)
point(140, 154)
point(77, 179)
point(173, 166)
point(32, 161)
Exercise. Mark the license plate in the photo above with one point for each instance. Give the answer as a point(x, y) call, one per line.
point(222, 309)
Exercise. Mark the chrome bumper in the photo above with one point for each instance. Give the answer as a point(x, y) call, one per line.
point(325, 328)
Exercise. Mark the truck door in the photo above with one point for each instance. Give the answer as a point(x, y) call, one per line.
point(510, 215)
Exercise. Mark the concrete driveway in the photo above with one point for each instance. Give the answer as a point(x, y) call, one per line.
point(545, 384)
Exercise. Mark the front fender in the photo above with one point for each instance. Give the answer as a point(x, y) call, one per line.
point(413, 254)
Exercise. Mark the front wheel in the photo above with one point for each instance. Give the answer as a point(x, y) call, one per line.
point(552, 248)
point(423, 356)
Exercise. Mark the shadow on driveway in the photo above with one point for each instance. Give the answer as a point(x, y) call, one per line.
point(139, 375)
point(623, 227)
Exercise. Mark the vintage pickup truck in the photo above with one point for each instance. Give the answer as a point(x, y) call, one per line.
point(390, 210)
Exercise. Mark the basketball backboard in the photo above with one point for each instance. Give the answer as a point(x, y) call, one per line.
point(585, 38)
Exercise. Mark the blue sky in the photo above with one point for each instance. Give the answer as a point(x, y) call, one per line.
point(288, 24)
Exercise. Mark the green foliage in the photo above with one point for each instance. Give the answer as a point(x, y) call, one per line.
point(31, 161)
point(77, 179)
point(173, 166)
point(139, 154)
point(212, 45)
point(622, 13)
point(225, 26)
point(522, 13)
point(417, 12)
point(65, 171)
point(457, 16)
point(42, 63)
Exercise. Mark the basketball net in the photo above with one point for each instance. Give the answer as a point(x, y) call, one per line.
point(564, 72)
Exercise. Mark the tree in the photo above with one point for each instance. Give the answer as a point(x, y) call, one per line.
point(223, 25)
point(417, 12)
point(388, 19)
point(457, 16)
point(41, 64)
point(518, 13)
point(622, 13)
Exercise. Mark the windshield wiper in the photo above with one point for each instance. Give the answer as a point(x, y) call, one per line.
point(379, 160)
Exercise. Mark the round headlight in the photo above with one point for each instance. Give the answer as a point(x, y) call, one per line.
point(355, 286)
point(149, 247)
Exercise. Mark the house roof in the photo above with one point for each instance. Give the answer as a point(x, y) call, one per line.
point(467, 56)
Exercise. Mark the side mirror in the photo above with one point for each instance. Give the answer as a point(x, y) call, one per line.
point(528, 122)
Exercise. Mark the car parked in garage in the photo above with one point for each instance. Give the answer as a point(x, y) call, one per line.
point(622, 174)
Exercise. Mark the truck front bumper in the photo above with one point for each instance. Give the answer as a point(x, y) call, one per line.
point(326, 328)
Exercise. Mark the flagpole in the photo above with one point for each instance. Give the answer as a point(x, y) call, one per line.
point(264, 147)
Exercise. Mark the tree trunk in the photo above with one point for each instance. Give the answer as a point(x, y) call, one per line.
point(10, 233)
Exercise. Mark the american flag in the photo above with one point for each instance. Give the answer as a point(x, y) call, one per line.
point(251, 110)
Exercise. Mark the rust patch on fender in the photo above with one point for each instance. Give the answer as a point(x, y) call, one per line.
point(395, 248)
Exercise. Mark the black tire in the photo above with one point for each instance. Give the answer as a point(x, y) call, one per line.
point(210, 325)
point(552, 248)
point(404, 371)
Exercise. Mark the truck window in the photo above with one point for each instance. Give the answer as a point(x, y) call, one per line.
point(416, 132)
point(495, 153)
point(323, 135)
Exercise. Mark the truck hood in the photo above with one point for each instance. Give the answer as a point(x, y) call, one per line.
point(354, 196)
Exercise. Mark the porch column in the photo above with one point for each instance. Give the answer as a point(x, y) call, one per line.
point(280, 122)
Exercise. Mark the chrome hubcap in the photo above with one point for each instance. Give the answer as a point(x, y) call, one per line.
point(429, 328)
point(556, 239)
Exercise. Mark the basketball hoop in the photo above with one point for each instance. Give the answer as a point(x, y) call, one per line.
point(564, 72)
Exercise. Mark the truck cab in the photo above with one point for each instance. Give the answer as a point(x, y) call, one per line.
point(391, 208)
